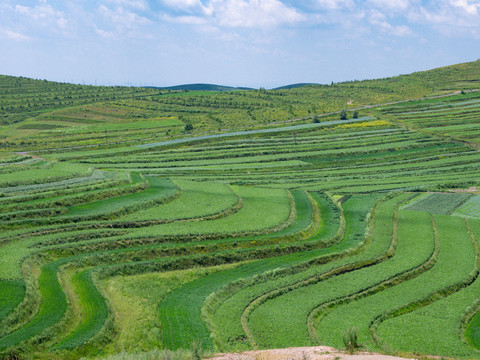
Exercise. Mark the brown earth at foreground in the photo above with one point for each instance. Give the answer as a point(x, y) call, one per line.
point(303, 353)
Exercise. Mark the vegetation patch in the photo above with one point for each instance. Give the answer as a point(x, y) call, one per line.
point(438, 203)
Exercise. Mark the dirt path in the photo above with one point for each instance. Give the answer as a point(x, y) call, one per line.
point(26, 153)
point(303, 353)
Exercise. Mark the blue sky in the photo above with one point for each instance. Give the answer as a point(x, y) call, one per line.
point(256, 43)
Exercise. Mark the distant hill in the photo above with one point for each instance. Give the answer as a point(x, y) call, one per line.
point(201, 87)
point(294, 86)
point(222, 88)
point(29, 106)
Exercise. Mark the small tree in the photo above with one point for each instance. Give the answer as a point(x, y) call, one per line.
point(350, 340)
point(355, 114)
point(343, 115)
point(316, 119)
point(188, 127)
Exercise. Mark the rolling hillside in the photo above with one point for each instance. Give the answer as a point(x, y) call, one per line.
point(272, 223)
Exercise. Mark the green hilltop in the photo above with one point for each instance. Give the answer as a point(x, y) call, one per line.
point(34, 112)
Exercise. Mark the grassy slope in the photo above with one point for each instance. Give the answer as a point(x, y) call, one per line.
point(87, 107)
point(369, 155)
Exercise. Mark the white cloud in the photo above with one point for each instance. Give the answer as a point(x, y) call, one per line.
point(132, 4)
point(12, 35)
point(43, 15)
point(334, 4)
point(471, 7)
point(233, 13)
point(454, 18)
point(121, 22)
point(395, 5)
point(379, 20)
point(189, 20)
point(122, 18)
point(189, 6)
point(254, 13)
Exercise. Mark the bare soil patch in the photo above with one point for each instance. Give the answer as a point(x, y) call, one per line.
point(303, 353)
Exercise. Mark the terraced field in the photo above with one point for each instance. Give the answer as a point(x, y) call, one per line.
point(260, 238)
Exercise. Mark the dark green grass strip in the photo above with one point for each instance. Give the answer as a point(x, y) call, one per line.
point(455, 269)
point(54, 303)
point(472, 331)
point(11, 293)
point(304, 211)
point(414, 257)
point(159, 188)
point(271, 321)
point(180, 312)
point(329, 217)
point(53, 307)
point(94, 311)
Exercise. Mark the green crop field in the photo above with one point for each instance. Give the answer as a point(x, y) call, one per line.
point(267, 223)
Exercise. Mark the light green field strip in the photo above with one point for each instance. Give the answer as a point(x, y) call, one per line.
point(471, 323)
point(180, 312)
point(16, 251)
point(52, 308)
point(194, 155)
point(431, 103)
point(441, 175)
point(262, 209)
point(197, 200)
point(221, 167)
point(434, 329)
point(94, 312)
point(304, 144)
point(453, 128)
point(48, 316)
point(121, 151)
point(226, 310)
point(13, 253)
point(158, 190)
point(438, 203)
point(51, 172)
point(439, 164)
point(378, 182)
point(247, 149)
point(212, 156)
point(439, 113)
point(64, 193)
point(405, 155)
point(281, 156)
point(388, 183)
point(415, 247)
point(471, 208)
point(276, 323)
point(440, 108)
point(49, 207)
point(420, 163)
point(251, 132)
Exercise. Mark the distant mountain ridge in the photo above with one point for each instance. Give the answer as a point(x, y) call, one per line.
point(295, 86)
point(201, 87)
point(222, 88)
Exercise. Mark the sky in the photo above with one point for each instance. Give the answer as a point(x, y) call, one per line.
point(254, 43)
